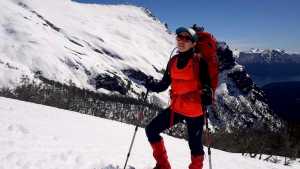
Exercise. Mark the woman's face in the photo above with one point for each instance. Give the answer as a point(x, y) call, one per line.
point(184, 42)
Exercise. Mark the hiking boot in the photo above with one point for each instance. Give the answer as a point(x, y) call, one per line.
point(197, 162)
point(160, 155)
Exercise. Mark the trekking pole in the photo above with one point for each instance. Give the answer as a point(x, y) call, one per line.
point(134, 134)
point(208, 138)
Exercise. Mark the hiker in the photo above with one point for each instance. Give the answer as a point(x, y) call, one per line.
point(188, 75)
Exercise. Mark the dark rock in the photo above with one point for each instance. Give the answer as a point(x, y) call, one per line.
point(135, 75)
point(75, 42)
point(100, 39)
point(48, 23)
point(97, 50)
point(226, 59)
point(112, 83)
point(242, 80)
point(51, 25)
point(111, 54)
point(74, 51)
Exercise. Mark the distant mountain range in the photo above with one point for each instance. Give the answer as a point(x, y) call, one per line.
point(268, 66)
point(278, 74)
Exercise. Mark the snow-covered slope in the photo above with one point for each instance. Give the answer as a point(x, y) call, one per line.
point(40, 137)
point(64, 40)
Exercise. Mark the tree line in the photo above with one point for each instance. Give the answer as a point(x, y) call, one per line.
point(126, 109)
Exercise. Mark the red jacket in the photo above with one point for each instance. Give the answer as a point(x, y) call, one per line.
point(186, 88)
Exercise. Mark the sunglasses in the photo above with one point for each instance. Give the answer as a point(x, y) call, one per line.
point(183, 38)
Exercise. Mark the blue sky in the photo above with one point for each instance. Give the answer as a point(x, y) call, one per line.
point(243, 24)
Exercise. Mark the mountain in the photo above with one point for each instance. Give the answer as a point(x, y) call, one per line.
point(99, 47)
point(111, 49)
point(284, 98)
point(265, 56)
point(41, 137)
point(267, 66)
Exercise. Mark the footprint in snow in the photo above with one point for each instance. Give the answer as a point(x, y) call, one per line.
point(11, 156)
point(18, 128)
point(23, 130)
point(110, 166)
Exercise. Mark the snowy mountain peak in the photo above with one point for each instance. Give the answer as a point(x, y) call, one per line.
point(269, 52)
point(256, 50)
point(66, 40)
point(267, 56)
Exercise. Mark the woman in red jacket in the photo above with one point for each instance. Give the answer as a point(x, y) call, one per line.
point(188, 76)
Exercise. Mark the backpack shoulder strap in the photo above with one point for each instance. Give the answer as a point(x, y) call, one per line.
point(171, 62)
point(196, 62)
point(201, 68)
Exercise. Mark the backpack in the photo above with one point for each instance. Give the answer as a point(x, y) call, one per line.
point(207, 47)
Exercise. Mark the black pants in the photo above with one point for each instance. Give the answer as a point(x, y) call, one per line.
point(162, 122)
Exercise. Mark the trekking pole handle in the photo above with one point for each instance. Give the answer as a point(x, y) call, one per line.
point(140, 115)
point(145, 98)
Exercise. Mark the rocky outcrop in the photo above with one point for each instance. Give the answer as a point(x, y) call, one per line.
point(111, 83)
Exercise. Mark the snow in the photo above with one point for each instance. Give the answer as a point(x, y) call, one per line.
point(222, 89)
point(34, 136)
point(236, 53)
point(67, 52)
